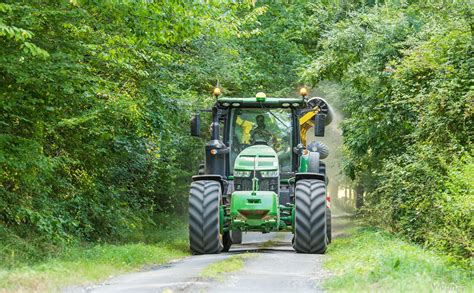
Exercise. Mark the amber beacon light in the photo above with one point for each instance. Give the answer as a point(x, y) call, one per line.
point(303, 91)
point(216, 91)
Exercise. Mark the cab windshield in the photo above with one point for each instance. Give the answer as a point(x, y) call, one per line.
point(272, 127)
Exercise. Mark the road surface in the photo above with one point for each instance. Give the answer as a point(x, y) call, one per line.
point(272, 267)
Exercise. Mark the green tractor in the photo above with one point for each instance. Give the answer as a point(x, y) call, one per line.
point(260, 175)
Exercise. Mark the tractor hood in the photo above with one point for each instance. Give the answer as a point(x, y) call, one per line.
point(263, 157)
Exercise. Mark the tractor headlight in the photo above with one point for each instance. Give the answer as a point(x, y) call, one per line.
point(268, 174)
point(242, 173)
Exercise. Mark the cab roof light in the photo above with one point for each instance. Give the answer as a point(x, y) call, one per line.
point(261, 96)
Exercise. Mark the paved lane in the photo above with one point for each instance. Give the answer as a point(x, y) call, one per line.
point(272, 267)
point(276, 268)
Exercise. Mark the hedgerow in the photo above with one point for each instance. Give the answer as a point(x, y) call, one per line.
point(406, 74)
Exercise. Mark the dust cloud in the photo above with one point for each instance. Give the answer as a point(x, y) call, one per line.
point(339, 187)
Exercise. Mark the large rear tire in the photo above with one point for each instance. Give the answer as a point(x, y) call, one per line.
point(204, 230)
point(310, 217)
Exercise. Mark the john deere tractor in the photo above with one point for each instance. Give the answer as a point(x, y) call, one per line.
point(260, 174)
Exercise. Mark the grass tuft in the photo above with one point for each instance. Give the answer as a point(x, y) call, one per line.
point(218, 269)
point(374, 260)
point(89, 263)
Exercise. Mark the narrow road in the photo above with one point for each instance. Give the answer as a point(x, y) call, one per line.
point(276, 268)
point(272, 267)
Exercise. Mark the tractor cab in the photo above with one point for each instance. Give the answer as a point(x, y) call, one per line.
point(258, 161)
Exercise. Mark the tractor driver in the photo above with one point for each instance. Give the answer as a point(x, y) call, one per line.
point(259, 133)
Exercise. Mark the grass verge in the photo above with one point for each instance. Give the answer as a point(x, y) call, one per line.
point(86, 264)
point(374, 260)
point(218, 269)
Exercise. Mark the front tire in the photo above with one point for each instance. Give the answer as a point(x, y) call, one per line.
point(310, 217)
point(204, 230)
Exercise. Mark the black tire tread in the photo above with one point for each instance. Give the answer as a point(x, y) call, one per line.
point(204, 234)
point(310, 216)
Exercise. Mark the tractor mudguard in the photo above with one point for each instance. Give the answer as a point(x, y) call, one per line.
point(213, 177)
point(317, 176)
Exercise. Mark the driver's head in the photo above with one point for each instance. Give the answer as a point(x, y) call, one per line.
point(260, 121)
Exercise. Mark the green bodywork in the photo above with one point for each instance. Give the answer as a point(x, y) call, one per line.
point(304, 162)
point(262, 156)
point(255, 210)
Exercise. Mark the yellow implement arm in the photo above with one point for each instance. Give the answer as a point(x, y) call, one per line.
point(306, 122)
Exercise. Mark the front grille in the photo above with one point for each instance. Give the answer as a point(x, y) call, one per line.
point(267, 184)
point(243, 184)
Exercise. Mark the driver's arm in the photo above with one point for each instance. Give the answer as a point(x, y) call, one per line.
point(252, 136)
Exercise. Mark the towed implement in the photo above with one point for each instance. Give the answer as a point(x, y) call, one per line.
point(260, 174)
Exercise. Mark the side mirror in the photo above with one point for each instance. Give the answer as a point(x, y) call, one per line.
point(319, 124)
point(196, 125)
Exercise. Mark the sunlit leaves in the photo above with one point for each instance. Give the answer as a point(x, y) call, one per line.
point(100, 91)
point(15, 33)
point(404, 69)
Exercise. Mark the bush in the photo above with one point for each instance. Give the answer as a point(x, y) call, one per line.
point(405, 73)
point(92, 100)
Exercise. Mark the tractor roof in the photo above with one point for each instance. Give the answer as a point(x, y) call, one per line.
point(258, 102)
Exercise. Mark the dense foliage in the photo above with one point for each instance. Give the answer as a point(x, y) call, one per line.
point(406, 76)
point(95, 97)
